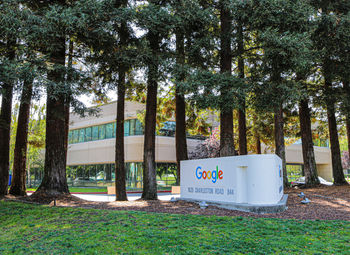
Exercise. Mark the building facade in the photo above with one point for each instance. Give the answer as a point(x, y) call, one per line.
point(91, 149)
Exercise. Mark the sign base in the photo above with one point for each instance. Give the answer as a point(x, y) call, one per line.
point(259, 209)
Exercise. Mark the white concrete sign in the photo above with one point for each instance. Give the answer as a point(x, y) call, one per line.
point(251, 179)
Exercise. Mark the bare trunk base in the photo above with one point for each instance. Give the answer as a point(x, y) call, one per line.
point(44, 197)
point(338, 173)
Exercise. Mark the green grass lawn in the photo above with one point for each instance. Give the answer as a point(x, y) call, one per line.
point(33, 229)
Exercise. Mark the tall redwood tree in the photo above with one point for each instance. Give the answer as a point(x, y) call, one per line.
point(227, 147)
point(18, 185)
point(5, 122)
point(120, 171)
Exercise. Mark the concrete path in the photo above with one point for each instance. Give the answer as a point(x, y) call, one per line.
point(131, 197)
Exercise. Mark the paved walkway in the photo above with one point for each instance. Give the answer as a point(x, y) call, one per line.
point(131, 197)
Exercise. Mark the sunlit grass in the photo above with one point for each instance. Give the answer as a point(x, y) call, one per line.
point(33, 229)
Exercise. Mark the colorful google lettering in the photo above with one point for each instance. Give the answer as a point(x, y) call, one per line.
point(210, 175)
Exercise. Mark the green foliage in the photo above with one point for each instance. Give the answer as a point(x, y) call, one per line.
point(283, 32)
point(204, 89)
point(36, 135)
point(41, 229)
point(286, 43)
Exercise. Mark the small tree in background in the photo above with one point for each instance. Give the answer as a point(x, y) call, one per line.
point(209, 148)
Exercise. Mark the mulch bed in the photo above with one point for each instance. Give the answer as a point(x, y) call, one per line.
point(327, 203)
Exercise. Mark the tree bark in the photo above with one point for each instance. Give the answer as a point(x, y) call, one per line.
point(120, 181)
point(338, 174)
point(149, 164)
point(180, 111)
point(348, 131)
point(120, 172)
point(279, 141)
point(5, 126)
point(54, 182)
point(227, 147)
point(346, 85)
point(257, 141)
point(242, 126)
point(310, 170)
point(18, 186)
point(68, 96)
point(257, 144)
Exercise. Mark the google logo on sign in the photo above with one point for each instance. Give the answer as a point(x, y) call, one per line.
point(210, 175)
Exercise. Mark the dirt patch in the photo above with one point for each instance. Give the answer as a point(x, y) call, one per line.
point(327, 203)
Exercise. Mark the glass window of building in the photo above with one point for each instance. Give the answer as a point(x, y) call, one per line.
point(105, 131)
point(70, 137)
point(114, 128)
point(134, 175)
point(88, 134)
point(81, 135)
point(102, 132)
point(75, 138)
point(126, 128)
point(80, 172)
point(168, 128)
point(109, 130)
point(139, 128)
point(92, 172)
point(107, 174)
point(169, 125)
point(132, 127)
point(94, 133)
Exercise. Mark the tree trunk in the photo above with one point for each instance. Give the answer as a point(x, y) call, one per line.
point(28, 174)
point(242, 129)
point(279, 141)
point(257, 144)
point(54, 182)
point(310, 170)
point(18, 186)
point(242, 126)
point(227, 147)
point(180, 111)
point(5, 127)
point(348, 132)
point(68, 96)
point(120, 181)
point(346, 85)
point(338, 174)
point(120, 173)
point(257, 141)
point(149, 164)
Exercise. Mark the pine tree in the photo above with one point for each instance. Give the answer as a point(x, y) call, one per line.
point(54, 182)
point(18, 185)
point(227, 147)
point(280, 31)
point(325, 40)
point(156, 19)
point(10, 23)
